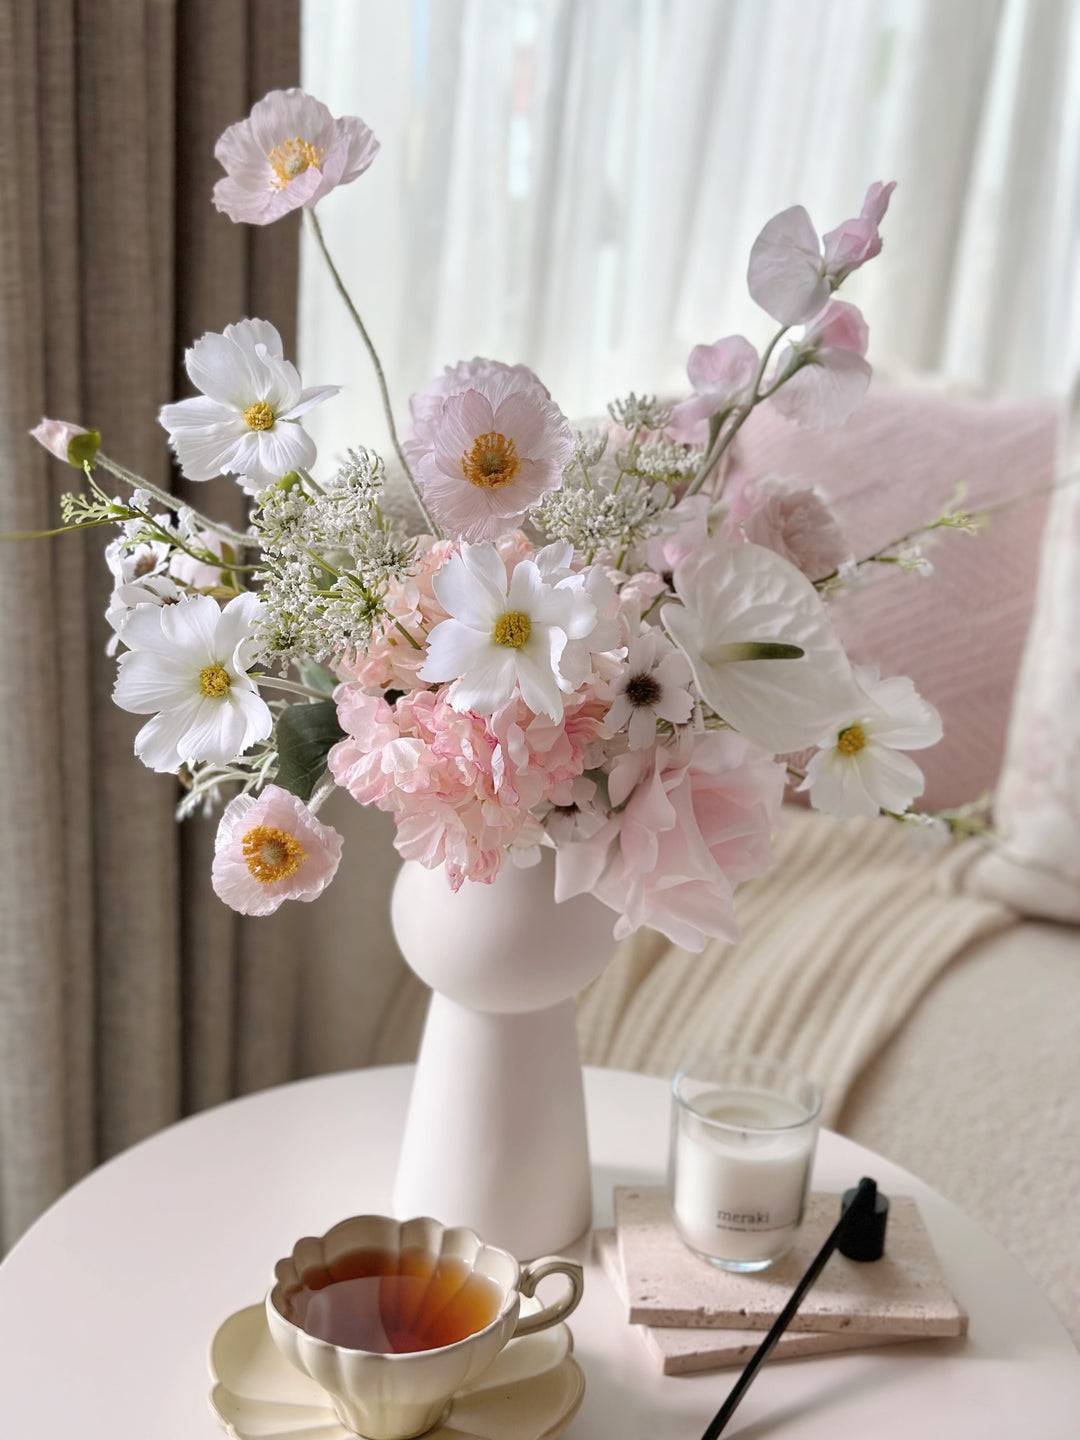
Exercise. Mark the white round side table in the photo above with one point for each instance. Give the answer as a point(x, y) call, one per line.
point(108, 1303)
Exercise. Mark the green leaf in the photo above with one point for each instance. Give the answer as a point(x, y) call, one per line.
point(317, 677)
point(305, 734)
point(755, 650)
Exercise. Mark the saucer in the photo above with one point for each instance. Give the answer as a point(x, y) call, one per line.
point(531, 1392)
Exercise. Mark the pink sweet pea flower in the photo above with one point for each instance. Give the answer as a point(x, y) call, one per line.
point(288, 153)
point(834, 376)
point(272, 849)
point(792, 274)
point(856, 241)
point(696, 825)
point(721, 375)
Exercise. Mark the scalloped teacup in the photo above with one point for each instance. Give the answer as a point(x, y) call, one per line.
point(397, 1396)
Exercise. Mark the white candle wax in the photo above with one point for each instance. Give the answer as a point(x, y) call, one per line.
point(739, 1193)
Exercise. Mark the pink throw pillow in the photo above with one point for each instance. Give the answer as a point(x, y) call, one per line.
point(960, 634)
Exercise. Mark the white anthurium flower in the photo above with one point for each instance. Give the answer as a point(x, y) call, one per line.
point(186, 665)
point(245, 421)
point(654, 685)
point(503, 637)
point(736, 599)
point(860, 769)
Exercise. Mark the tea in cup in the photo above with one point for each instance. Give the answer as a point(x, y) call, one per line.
point(393, 1317)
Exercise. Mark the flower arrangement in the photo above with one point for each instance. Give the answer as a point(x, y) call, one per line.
point(516, 634)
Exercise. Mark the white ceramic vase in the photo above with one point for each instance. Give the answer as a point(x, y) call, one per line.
point(495, 1134)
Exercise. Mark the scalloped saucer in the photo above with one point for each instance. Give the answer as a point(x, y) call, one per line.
point(531, 1392)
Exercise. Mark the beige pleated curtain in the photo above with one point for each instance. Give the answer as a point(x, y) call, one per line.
point(128, 994)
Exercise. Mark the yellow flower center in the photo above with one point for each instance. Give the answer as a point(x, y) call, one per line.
point(272, 854)
point(214, 681)
point(851, 740)
point(290, 159)
point(259, 416)
point(512, 629)
point(492, 461)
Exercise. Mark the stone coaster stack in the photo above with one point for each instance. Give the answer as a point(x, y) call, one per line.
point(693, 1316)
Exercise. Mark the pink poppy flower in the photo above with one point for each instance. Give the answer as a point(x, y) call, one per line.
point(792, 274)
point(492, 450)
point(721, 375)
point(696, 825)
point(288, 153)
point(270, 849)
point(834, 383)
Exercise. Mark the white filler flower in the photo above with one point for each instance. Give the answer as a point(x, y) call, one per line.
point(186, 665)
point(859, 770)
point(245, 421)
point(504, 638)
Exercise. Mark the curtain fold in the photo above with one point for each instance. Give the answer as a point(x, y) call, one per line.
point(128, 994)
point(576, 184)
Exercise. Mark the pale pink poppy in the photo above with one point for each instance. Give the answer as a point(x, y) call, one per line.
point(833, 384)
point(271, 849)
point(426, 406)
point(288, 153)
point(493, 449)
point(792, 274)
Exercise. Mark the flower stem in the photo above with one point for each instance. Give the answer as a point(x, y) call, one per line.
point(172, 502)
point(292, 686)
point(742, 414)
point(380, 376)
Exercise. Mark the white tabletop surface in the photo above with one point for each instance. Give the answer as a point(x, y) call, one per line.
point(108, 1303)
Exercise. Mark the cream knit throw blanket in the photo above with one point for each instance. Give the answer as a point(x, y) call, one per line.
point(839, 943)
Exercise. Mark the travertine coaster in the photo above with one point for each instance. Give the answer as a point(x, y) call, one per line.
point(682, 1352)
point(667, 1285)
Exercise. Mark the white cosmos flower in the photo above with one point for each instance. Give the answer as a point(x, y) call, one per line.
point(653, 686)
point(859, 770)
point(501, 637)
point(186, 665)
point(245, 421)
point(738, 596)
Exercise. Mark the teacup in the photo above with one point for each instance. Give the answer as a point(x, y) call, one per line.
point(438, 1282)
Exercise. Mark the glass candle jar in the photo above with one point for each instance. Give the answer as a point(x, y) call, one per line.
point(743, 1135)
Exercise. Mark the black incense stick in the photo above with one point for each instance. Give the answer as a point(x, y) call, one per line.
point(862, 1203)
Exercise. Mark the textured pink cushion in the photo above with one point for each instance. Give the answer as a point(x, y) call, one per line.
point(960, 634)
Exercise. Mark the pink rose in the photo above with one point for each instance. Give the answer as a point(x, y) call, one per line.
point(696, 825)
point(795, 523)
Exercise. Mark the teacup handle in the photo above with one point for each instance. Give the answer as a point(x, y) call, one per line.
point(532, 1274)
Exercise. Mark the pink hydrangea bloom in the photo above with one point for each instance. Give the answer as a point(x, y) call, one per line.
point(795, 522)
point(288, 153)
point(721, 375)
point(461, 787)
point(270, 849)
point(791, 274)
point(695, 826)
point(490, 448)
point(833, 384)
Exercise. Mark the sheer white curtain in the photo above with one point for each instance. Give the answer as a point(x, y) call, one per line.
point(576, 183)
